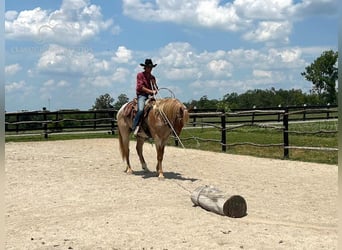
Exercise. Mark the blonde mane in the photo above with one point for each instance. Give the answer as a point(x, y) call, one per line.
point(172, 108)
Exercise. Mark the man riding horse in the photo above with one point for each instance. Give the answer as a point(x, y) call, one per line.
point(161, 118)
point(146, 85)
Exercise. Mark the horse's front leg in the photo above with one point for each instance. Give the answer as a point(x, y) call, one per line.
point(139, 148)
point(160, 155)
point(129, 169)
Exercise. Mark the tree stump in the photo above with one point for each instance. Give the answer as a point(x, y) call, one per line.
point(216, 201)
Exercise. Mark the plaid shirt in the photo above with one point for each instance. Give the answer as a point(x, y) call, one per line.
point(144, 79)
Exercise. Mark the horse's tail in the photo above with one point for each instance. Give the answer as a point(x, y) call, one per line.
point(123, 137)
point(123, 151)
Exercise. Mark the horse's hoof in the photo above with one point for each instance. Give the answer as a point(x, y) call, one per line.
point(130, 171)
point(161, 177)
point(145, 168)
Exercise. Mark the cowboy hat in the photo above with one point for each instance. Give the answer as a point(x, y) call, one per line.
point(148, 63)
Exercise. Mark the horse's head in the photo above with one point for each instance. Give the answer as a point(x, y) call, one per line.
point(182, 118)
point(175, 113)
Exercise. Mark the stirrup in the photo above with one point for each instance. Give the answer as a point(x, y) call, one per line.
point(136, 131)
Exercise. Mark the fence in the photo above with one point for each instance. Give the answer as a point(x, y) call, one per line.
point(60, 121)
point(265, 118)
point(72, 120)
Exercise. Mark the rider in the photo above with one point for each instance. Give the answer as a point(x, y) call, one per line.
point(146, 85)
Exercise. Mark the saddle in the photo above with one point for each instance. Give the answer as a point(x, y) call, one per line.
point(131, 109)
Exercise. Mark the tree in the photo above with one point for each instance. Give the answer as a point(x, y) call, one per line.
point(230, 101)
point(205, 103)
point(323, 74)
point(122, 99)
point(103, 102)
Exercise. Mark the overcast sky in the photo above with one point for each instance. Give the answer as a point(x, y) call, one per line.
point(63, 54)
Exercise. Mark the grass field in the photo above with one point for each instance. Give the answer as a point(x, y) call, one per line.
point(259, 135)
point(195, 138)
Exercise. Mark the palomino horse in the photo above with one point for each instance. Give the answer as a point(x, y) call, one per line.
point(164, 117)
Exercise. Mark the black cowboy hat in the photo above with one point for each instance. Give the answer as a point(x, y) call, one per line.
point(148, 63)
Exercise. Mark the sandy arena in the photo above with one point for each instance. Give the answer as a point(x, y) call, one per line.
point(75, 195)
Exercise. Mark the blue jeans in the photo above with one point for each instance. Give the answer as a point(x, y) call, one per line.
point(141, 105)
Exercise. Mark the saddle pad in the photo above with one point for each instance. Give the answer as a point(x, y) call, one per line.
point(131, 108)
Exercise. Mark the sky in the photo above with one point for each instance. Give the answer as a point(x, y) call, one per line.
point(63, 54)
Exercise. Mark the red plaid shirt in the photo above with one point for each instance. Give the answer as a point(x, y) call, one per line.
point(144, 80)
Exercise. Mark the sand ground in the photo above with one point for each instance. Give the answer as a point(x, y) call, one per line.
point(75, 195)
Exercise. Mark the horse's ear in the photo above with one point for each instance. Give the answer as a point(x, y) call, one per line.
point(192, 107)
point(181, 111)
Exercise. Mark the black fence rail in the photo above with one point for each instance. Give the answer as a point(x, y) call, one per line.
point(60, 121)
point(277, 118)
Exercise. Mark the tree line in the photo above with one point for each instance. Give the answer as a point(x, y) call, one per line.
point(259, 98)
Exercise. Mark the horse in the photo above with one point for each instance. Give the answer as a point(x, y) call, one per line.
point(163, 117)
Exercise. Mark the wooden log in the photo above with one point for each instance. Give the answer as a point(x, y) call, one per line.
point(216, 201)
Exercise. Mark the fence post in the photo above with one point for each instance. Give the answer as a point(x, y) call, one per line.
point(223, 133)
point(286, 133)
point(194, 119)
point(253, 114)
point(56, 122)
point(45, 123)
point(111, 115)
point(95, 120)
point(17, 125)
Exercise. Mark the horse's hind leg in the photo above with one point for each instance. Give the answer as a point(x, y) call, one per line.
point(129, 169)
point(139, 148)
point(124, 144)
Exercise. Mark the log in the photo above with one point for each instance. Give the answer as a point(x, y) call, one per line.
point(214, 200)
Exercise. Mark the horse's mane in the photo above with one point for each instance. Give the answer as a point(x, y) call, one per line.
point(173, 109)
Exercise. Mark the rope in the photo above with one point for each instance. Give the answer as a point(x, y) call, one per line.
point(260, 125)
point(184, 188)
point(165, 117)
point(172, 94)
point(313, 148)
point(253, 144)
point(314, 132)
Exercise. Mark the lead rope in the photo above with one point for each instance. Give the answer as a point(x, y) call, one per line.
point(173, 130)
point(165, 117)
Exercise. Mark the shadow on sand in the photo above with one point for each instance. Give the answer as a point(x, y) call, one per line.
point(167, 175)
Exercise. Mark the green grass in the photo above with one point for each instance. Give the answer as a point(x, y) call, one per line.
point(244, 134)
point(258, 135)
